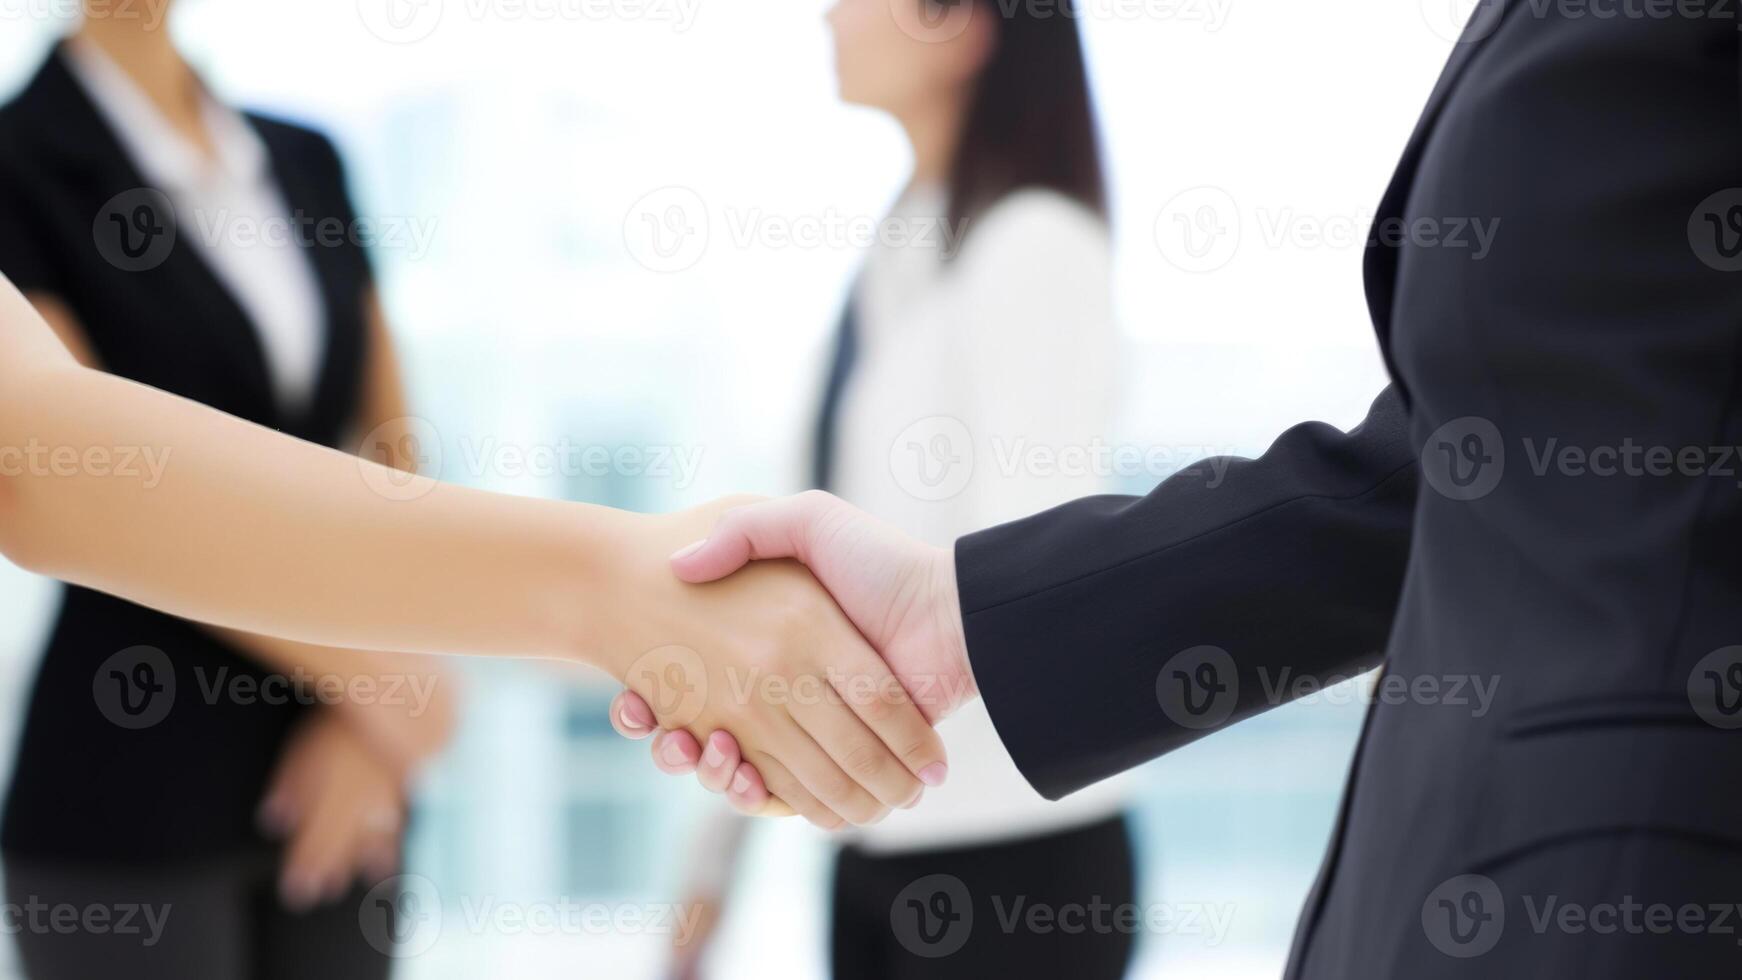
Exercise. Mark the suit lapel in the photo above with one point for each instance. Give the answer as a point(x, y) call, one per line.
point(89, 152)
point(303, 199)
point(1379, 268)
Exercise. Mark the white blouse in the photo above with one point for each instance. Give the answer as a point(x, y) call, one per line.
point(983, 385)
point(230, 208)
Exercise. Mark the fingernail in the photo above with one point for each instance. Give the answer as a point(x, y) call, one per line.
point(630, 722)
point(673, 755)
point(910, 804)
point(713, 757)
point(688, 550)
point(934, 774)
point(740, 784)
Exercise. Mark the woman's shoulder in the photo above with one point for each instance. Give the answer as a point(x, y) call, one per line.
point(1039, 221)
point(1042, 209)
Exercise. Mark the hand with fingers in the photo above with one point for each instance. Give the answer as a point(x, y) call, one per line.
point(768, 656)
point(338, 808)
point(899, 593)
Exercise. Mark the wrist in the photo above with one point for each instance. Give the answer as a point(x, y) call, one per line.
point(630, 587)
point(407, 731)
point(946, 602)
point(590, 587)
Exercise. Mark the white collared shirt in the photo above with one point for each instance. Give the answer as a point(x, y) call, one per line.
point(983, 387)
point(230, 209)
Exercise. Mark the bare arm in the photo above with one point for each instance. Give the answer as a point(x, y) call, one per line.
point(231, 523)
point(414, 722)
point(405, 730)
point(250, 529)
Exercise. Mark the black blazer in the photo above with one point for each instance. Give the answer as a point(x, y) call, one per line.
point(1608, 314)
point(85, 787)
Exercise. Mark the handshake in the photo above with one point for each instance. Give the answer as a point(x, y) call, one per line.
point(813, 693)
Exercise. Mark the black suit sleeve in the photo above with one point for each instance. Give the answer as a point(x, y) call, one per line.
point(1081, 621)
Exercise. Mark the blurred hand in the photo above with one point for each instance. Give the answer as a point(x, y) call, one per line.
point(687, 952)
point(899, 593)
point(339, 808)
point(406, 732)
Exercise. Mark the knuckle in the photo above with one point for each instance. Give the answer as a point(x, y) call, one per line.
point(921, 751)
point(763, 659)
point(795, 619)
point(866, 761)
point(836, 788)
point(864, 812)
point(899, 793)
point(877, 710)
point(731, 524)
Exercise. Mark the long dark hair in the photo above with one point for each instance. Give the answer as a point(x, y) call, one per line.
point(1031, 120)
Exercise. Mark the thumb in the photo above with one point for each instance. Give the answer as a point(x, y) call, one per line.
point(757, 532)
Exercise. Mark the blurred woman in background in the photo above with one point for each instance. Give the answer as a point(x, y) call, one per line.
point(986, 334)
point(258, 800)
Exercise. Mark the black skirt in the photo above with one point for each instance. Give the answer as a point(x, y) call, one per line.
point(1042, 907)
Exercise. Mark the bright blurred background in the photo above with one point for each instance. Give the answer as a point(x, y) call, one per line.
point(522, 154)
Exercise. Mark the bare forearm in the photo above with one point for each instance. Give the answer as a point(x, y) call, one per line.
point(229, 523)
point(243, 528)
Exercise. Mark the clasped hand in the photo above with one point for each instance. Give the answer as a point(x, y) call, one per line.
point(833, 718)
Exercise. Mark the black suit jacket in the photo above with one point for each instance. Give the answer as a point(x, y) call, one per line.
point(86, 788)
point(1607, 315)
